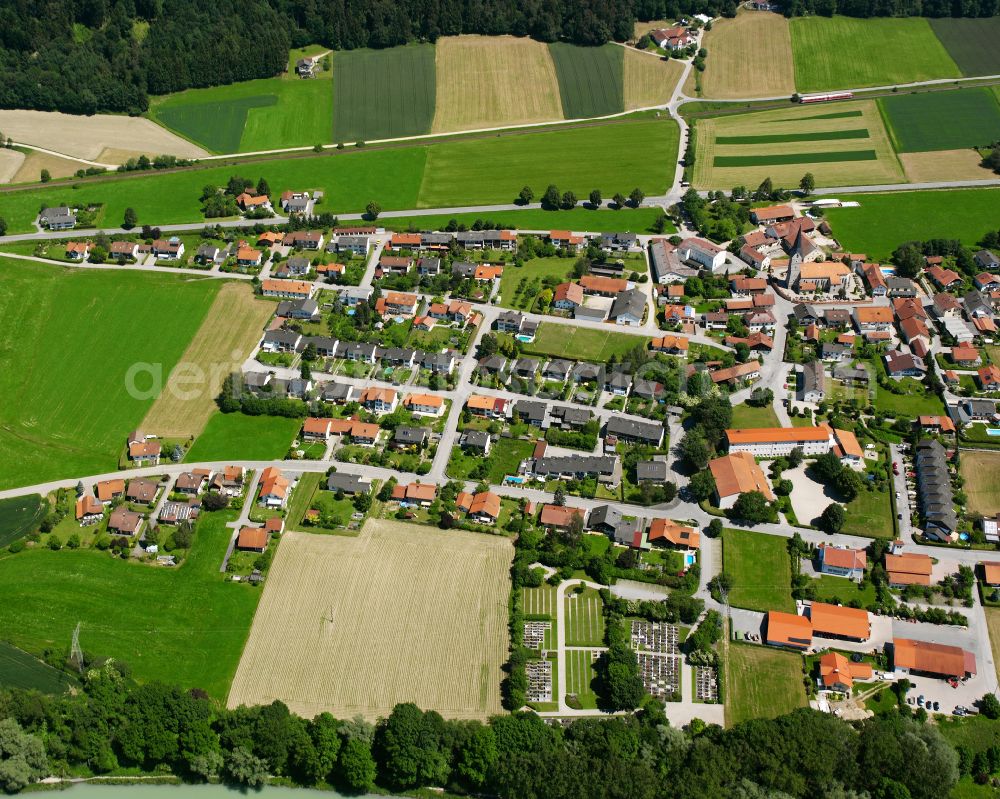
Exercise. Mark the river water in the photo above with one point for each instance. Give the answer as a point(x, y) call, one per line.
point(98, 790)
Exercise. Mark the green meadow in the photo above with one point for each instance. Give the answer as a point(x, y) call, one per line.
point(235, 436)
point(383, 94)
point(461, 172)
point(760, 568)
point(634, 220)
point(252, 115)
point(950, 120)
point(18, 669)
point(848, 53)
point(19, 516)
point(591, 79)
point(795, 158)
point(69, 339)
point(183, 626)
point(972, 42)
point(884, 221)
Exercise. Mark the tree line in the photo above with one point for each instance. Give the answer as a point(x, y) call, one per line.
point(112, 725)
point(110, 55)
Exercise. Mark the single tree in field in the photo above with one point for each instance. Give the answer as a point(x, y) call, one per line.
point(568, 200)
point(45, 176)
point(131, 219)
point(550, 200)
point(807, 184)
point(373, 209)
point(636, 197)
point(526, 195)
point(595, 198)
point(619, 200)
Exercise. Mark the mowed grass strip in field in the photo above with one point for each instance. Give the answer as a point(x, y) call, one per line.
point(775, 138)
point(402, 613)
point(236, 436)
point(648, 80)
point(383, 94)
point(493, 81)
point(749, 56)
point(760, 568)
point(584, 618)
point(795, 158)
point(761, 683)
point(971, 42)
point(18, 669)
point(883, 221)
point(183, 626)
point(612, 157)
point(849, 53)
point(591, 79)
point(981, 473)
point(856, 161)
point(251, 115)
point(69, 343)
point(942, 120)
point(226, 337)
point(20, 515)
point(635, 220)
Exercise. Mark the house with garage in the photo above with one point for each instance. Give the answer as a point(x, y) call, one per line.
point(842, 561)
point(58, 218)
point(274, 488)
point(142, 450)
point(124, 522)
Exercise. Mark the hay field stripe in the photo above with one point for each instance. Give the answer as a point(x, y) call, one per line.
point(773, 138)
point(748, 56)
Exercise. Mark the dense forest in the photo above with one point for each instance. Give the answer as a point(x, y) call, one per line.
point(113, 725)
point(84, 56)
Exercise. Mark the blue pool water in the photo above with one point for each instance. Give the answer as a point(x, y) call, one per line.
point(992, 431)
point(888, 270)
point(513, 480)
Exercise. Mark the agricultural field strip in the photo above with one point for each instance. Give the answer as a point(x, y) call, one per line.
point(914, 120)
point(591, 80)
point(735, 67)
point(774, 138)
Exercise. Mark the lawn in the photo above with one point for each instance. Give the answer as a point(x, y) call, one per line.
point(580, 676)
point(734, 67)
point(848, 53)
point(581, 343)
point(183, 626)
point(235, 436)
point(535, 269)
point(539, 602)
point(504, 458)
point(591, 79)
point(842, 591)
point(846, 147)
point(428, 176)
point(972, 42)
point(981, 473)
point(19, 516)
point(884, 221)
point(760, 568)
point(613, 157)
point(915, 119)
point(584, 618)
point(634, 220)
point(383, 94)
point(993, 623)
point(748, 416)
point(18, 669)
point(762, 682)
point(70, 340)
point(870, 515)
point(914, 402)
point(251, 115)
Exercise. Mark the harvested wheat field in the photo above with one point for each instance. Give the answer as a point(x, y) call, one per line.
point(86, 137)
point(492, 81)
point(35, 162)
point(842, 145)
point(748, 56)
point(944, 165)
point(10, 163)
point(981, 473)
point(402, 613)
point(225, 339)
point(649, 80)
